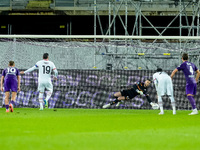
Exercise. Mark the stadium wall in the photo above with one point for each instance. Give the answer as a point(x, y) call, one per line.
point(93, 88)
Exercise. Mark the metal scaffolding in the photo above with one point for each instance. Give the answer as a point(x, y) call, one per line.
point(140, 52)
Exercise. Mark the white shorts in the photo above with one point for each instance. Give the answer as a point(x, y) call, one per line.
point(165, 87)
point(45, 85)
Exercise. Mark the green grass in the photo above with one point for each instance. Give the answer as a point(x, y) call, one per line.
point(98, 129)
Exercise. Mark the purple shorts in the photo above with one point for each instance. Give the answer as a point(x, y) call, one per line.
point(10, 85)
point(191, 89)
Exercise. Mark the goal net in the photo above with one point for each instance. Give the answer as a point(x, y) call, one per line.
point(92, 68)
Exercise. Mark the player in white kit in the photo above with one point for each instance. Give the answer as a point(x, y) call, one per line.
point(163, 84)
point(44, 80)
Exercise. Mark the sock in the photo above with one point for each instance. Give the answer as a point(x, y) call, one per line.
point(173, 107)
point(7, 107)
point(41, 105)
point(49, 93)
point(192, 101)
point(160, 104)
point(114, 102)
point(13, 102)
point(161, 107)
point(173, 104)
point(41, 100)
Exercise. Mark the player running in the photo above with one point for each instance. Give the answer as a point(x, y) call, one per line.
point(138, 88)
point(10, 79)
point(188, 69)
point(44, 80)
point(163, 84)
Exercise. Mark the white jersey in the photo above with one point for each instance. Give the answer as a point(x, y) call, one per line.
point(163, 83)
point(44, 80)
point(45, 68)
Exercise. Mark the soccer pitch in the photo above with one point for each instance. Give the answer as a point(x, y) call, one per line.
point(98, 129)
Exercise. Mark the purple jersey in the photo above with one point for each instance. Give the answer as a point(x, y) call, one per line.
point(188, 69)
point(10, 72)
point(10, 79)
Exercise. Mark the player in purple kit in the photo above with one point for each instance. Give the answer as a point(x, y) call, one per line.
point(188, 69)
point(10, 79)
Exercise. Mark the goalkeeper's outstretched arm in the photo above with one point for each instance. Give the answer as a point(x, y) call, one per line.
point(153, 105)
point(150, 101)
point(148, 98)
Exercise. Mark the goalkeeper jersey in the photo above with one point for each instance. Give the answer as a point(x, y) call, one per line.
point(140, 86)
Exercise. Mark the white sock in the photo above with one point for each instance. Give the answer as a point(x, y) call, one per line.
point(49, 93)
point(41, 100)
point(173, 106)
point(160, 104)
point(174, 109)
point(41, 105)
point(161, 109)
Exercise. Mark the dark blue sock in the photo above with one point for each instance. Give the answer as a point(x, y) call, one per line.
point(7, 106)
point(12, 102)
point(192, 101)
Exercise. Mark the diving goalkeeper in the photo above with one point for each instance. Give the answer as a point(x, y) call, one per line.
point(139, 88)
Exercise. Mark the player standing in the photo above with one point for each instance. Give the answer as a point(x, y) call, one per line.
point(44, 80)
point(188, 69)
point(138, 88)
point(163, 84)
point(11, 80)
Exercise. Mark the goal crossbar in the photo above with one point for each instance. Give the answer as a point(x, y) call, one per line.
point(102, 37)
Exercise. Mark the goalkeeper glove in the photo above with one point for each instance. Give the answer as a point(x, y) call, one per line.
point(140, 92)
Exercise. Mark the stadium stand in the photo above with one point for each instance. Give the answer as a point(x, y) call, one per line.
point(19, 4)
point(44, 4)
point(64, 3)
point(5, 3)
